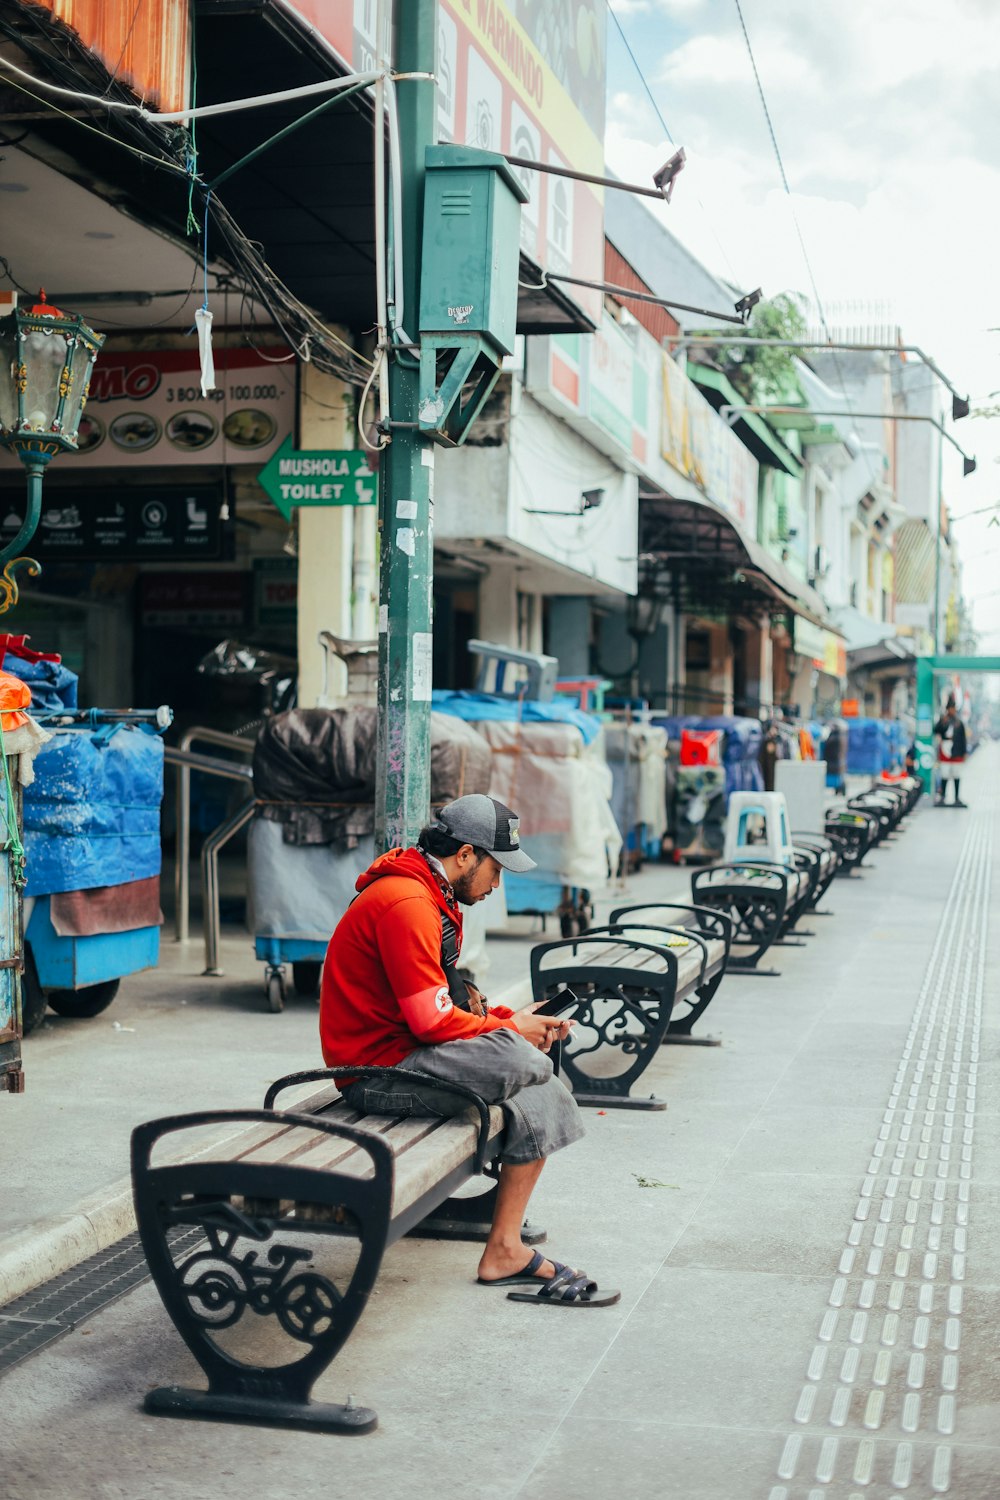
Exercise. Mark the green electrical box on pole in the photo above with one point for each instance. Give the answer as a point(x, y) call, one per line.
point(468, 287)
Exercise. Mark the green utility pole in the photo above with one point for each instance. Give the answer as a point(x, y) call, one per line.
point(937, 543)
point(402, 789)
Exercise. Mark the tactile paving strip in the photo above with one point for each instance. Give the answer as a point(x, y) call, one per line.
point(883, 1381)
point(31, 1322)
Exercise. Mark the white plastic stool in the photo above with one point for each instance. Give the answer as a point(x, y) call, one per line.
point(757, 828)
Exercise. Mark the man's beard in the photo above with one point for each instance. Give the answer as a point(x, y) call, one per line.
point(463, 887)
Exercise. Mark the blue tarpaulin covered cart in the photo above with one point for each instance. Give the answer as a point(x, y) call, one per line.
point(92, 841)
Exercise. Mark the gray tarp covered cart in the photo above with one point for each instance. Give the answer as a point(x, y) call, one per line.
point(313, 830)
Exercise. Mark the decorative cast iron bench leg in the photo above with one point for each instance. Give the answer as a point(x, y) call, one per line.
point(757, 916)
point(644, 1001)
point(679, 1032)
point(210, 1290)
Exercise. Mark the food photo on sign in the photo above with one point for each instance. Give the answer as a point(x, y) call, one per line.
point(147, 405)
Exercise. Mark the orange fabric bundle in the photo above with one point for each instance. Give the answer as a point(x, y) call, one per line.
point(15, 695)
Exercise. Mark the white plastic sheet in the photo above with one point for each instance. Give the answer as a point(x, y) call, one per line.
point(561, 790)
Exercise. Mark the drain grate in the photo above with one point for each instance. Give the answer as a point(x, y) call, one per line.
point(41, 1316)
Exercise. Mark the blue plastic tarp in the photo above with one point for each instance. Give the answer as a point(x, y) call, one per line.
point(53, 686)
point(475, 708)
point(868, 748)
point(92, 814)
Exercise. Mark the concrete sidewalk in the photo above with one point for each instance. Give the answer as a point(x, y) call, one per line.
point(174, 1040)
point(804, 1244)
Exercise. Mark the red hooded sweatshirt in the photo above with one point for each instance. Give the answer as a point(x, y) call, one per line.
point(384, 992)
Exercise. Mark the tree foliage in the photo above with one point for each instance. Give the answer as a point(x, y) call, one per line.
point(758, 372)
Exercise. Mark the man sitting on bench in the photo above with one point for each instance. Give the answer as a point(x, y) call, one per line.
point(391, 996)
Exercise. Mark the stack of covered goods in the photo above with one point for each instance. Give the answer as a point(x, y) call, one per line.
point(637, 755)
point(549, 765)
point(741, 751)
point(868, 747)
point(92, 822)
point(833, 750)
point(92, 841)
point(699, 797)
point(313, 833)
point(92, 813)
point(20, 740)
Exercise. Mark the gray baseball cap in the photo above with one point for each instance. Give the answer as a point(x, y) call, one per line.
point(488, 824)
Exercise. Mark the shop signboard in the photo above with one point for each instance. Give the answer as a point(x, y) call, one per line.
point(146, 408)
point(152, 523)
point(600, 383)
point(275, 590)
point(524, 77)
point(318, 476)
point(834, 655)
point(616, 386)
point(825, 650)
point(185, 600)
point(808, 640)
point(696, 442)
point(144, 45)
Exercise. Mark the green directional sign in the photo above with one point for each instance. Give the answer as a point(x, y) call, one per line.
point(318, 476)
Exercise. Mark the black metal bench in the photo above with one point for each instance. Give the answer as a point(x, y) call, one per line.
point(620, 983)
point(762, 898)
point(709, 923)
point(855, 832)
point(890, 804)
point(822, 868)
point(216, 1228)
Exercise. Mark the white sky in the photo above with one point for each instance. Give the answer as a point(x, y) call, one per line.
point(887, 116)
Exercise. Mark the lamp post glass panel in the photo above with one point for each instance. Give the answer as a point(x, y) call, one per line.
point(46, 360)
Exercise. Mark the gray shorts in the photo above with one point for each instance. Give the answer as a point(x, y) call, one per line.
point(502, 1068)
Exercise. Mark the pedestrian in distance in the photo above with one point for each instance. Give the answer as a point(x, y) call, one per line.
point(392, 997)
point(952, 747)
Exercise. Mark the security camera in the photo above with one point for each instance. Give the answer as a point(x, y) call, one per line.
point(663, 180)
point(746, 305)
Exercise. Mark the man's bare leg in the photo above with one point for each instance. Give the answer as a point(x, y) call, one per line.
point(506, 1253)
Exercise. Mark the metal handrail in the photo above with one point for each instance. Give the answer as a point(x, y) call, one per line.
point(210, 882)
point(213, 766)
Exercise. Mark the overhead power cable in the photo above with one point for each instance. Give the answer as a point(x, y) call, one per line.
point(302, 329)
point(798, 228)
point(666, 131)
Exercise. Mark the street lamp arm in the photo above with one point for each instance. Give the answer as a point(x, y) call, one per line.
point(705, 341)
point(731, 412)
point(628, 294)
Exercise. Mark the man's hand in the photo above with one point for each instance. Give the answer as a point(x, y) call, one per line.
point(541, 1031)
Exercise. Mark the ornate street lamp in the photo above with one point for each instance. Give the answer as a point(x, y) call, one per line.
point(46, 360)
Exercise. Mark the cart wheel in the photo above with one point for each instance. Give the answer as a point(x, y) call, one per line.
point(305, 977)
point(567, 924)
point(274, 988)
point(33, 998)
point(89, 1001)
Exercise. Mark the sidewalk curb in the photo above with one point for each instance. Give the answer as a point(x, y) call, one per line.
point(49, 1247)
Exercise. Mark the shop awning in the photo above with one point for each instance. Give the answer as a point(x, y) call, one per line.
point(694, 554)
point(889, 652)
point(765, 444)
point(307, 200)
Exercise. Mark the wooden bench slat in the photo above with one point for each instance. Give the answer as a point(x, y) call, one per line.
point(453, 1142)
point(615, 955)
point(265, 1142)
